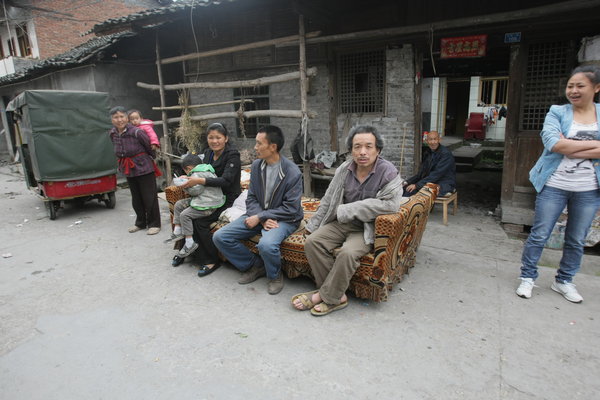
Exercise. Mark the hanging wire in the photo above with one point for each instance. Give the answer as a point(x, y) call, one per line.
point(195, 41)
point(431, 51)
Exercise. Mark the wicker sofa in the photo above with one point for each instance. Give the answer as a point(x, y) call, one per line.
point(397, 237)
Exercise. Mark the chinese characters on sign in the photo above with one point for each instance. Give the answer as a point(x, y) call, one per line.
point(464, 46)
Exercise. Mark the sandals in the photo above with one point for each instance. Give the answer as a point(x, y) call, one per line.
point(305, 299)
point(327, 308)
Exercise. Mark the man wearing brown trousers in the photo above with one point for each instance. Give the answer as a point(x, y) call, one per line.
point(361, 189)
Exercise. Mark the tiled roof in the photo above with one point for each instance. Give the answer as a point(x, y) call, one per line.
point(75, 56)
point(150, 15)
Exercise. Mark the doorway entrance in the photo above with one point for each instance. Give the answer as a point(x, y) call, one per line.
point(457, 106)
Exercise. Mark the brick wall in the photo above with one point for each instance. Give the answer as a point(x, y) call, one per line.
point(396, 124)
point(61, 30)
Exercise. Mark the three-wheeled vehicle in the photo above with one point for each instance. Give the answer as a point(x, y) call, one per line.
point(65, 150)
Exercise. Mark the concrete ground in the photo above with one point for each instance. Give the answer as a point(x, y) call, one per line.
point(90, 311)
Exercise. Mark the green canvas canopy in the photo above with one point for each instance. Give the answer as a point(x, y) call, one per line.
point(65, 134)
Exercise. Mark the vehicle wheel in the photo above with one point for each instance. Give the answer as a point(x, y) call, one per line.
point(51, 209)
point(112, 200)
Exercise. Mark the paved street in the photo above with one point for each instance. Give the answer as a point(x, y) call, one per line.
point(90, 311)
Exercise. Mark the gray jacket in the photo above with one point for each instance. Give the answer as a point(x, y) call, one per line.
point(387, 201)
point(205, 197)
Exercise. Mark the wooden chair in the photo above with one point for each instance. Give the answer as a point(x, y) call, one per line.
point(444, 201)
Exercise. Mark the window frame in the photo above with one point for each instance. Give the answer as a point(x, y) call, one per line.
point(494, 93)
point(372, 101)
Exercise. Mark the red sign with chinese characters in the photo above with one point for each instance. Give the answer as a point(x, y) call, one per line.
point(464, 46)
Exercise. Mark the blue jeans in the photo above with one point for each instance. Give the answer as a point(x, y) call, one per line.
point(228, 241)
point(549, 204)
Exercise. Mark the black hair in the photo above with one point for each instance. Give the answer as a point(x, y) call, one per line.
point(190, 160)
point(117, 109)
point(219, 127)
point(364, 129)
point(133, 110)
point(591, 71)
point(274, 135)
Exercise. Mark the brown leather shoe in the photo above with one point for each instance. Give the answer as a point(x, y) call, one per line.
point(275, 285)
point(252, 274)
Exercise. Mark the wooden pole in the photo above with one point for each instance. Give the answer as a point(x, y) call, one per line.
point(6, 130)
point(304, 107)
point(166, 145)
point(220, 103)
point(232, 84)
point(246, 114)
point(227, 50)
point(534, 13)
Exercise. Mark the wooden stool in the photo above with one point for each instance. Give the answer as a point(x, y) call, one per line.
point(445, 200)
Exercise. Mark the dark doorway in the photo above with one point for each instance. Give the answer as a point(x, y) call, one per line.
point(457, 107)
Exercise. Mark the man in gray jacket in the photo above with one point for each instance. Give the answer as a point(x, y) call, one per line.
point(360, 190)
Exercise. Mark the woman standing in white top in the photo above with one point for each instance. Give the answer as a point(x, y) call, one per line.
point(567, 174)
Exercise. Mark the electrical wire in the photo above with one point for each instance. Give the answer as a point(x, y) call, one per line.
point(195, 41)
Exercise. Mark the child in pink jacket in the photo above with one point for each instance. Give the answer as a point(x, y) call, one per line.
point(135, 119)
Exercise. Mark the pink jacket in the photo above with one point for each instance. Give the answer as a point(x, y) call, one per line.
point(147, 126)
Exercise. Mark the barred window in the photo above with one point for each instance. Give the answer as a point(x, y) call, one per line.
point(362, 82)
point(493, 91)
point(260, 95)
point(547, 66)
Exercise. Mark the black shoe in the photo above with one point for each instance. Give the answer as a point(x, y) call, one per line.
point(177, 261)
point(204, 270)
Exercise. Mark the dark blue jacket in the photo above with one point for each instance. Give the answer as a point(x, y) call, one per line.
point(437, 167)
point(286, 200)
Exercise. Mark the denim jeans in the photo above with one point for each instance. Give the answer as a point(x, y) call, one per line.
point(228, 241)
point(549, 204)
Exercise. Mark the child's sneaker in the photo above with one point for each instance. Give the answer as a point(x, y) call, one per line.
point(567, 289)
point(186, 251)
point(175, 237)
point(525, 288)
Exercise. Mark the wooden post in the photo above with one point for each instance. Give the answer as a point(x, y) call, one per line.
point(304, 106)
point(9, 143)
point(166, 145)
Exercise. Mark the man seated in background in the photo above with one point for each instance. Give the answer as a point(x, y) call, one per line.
point(437, 167)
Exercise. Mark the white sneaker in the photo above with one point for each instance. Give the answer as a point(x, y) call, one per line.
point(568, 291)
point(525, 288)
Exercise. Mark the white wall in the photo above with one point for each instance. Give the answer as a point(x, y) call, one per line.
point(438, 96)
point(495, 131)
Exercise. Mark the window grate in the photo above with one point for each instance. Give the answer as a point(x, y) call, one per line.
point(362, 82)
point(547, 65)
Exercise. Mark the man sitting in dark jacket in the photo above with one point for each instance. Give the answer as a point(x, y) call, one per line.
point(273, 209)
point(437, 167)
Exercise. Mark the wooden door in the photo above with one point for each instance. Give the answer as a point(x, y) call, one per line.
point(538, 74)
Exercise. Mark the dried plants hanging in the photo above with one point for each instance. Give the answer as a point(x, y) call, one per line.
point(240, 113)
point(189, 132)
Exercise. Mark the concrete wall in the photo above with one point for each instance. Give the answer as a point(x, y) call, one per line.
point(400, 89)
point(282, 96)
point(397, 124)
point(118, 80)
